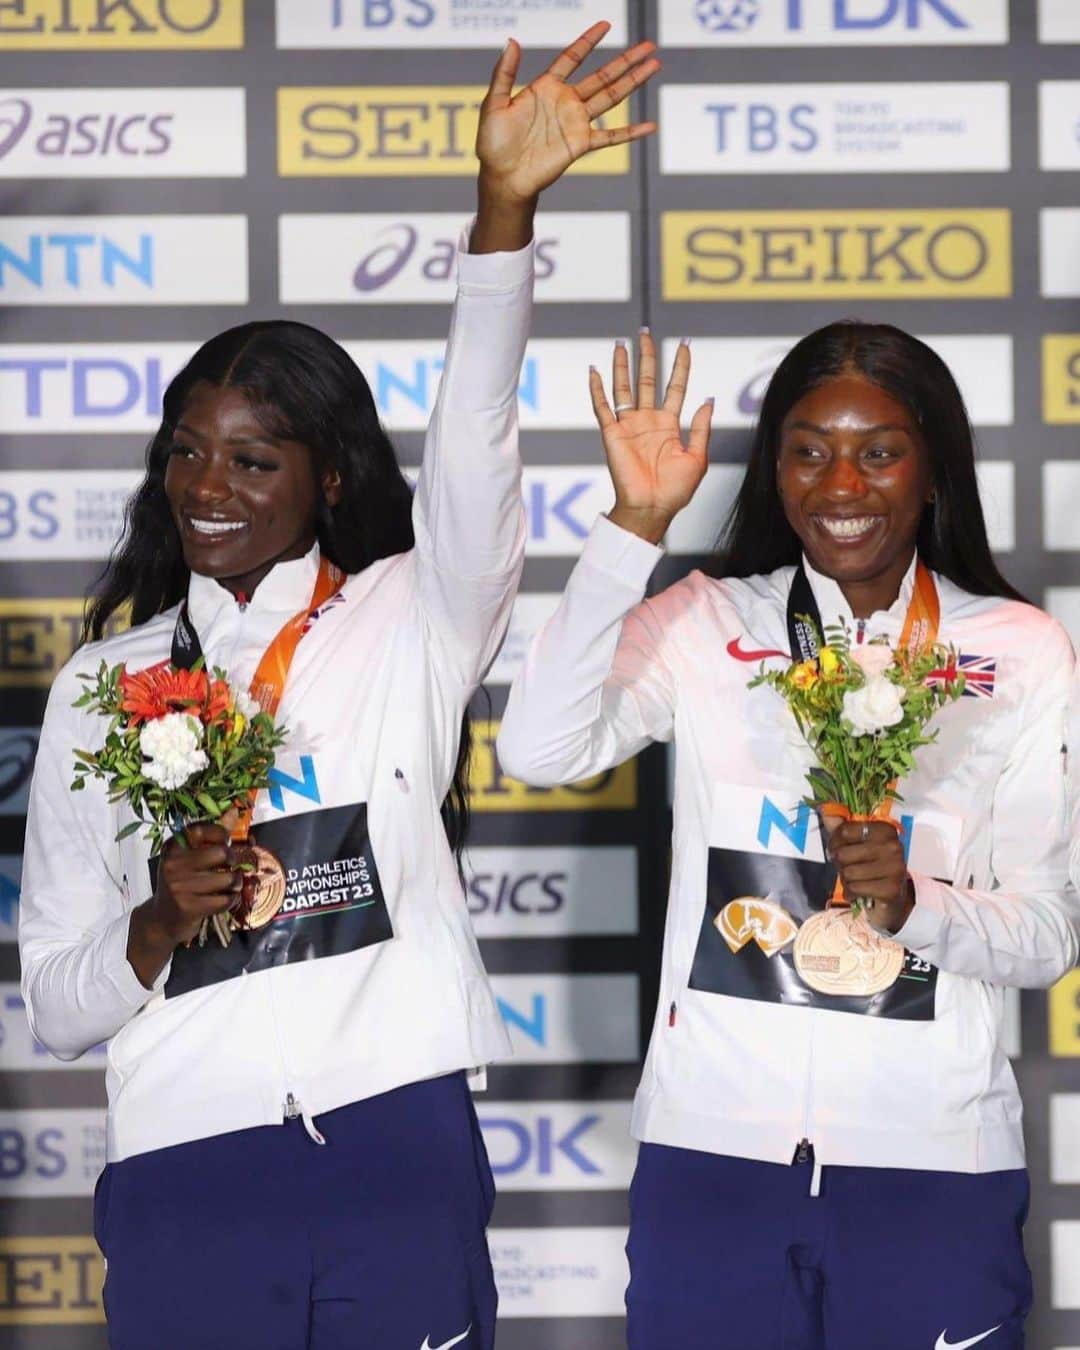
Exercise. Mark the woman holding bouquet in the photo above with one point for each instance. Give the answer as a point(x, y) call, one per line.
point(294, 1160)
point(831, 1152)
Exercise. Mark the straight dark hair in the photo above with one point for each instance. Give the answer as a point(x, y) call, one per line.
point(952, 536)
point(301, 386)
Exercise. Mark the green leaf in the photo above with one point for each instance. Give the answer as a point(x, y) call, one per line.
point(209, 805)
point(128, 829)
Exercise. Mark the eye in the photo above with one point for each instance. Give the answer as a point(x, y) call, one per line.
point(882, 453)
point(254, 463)
point(806, 451)
point(178, 451)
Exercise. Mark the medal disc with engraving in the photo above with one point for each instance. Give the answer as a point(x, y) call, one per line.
point(269, 888)
point(837, 952)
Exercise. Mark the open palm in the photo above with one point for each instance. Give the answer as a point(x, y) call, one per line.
point(655, 472)
point(527, 140)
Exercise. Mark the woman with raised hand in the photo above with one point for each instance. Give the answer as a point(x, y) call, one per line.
point(294, 1159)
point(825, 1163)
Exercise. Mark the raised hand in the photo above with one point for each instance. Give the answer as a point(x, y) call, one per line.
point(527, 140)
point(655, 473)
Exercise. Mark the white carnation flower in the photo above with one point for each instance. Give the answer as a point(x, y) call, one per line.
point(171, 745)
point(247, 706)
point(877, 705)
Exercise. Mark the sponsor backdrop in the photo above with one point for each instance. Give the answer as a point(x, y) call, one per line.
point(172, 167)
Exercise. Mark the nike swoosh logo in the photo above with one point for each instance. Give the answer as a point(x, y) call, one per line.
point(457, 1340)
point(735, 649)
point(943, 1343)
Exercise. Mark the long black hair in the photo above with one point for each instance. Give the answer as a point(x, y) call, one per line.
point(952, 535)
point(301, 386)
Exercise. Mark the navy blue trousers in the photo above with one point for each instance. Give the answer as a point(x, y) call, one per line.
point(729, 1254)
point(265, 1240)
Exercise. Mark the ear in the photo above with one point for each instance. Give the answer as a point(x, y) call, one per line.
point(331, 487)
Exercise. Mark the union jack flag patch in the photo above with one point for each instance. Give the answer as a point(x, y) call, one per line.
point(978, 673)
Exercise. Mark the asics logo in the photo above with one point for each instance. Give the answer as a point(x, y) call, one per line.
point(943, 1342)
point(455, 1340)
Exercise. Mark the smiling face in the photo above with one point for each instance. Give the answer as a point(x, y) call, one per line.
point(854, 475)
point(241, 499)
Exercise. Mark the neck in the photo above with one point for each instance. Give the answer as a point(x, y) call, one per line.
point(869, 594)
point(244, 585)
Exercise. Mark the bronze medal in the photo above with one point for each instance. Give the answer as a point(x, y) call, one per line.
point(269, 888)
point(837, 952)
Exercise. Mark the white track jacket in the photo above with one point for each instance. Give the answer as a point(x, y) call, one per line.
point(370, 977)
point(745, 1059)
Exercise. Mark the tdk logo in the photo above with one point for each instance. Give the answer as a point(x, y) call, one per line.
point(539, 1145)
point(740, 16)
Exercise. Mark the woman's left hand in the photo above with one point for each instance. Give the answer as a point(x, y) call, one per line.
point(870, 859)
point(527, 140)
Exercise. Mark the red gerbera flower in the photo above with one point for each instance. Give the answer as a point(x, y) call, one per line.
point(219, 702)
point(162, 689)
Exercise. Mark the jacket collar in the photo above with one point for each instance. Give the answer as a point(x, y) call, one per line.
point(835, 608)
point(285, 590)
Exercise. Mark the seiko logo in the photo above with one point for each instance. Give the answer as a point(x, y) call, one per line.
point(772, 255)
point(120, 17)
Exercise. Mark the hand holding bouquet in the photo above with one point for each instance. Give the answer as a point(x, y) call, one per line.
point(181, 746)
point(864, 710)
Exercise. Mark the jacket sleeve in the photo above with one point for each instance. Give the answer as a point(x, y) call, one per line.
point(1025, 932)
point(467, 511)
point(77, 983)
point(594, 688)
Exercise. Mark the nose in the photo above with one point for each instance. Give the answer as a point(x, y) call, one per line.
point(209, 483)
point(843, 479)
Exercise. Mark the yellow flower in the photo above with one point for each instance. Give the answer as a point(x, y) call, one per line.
point(239, 723)
point(830, 662)
point(804, 675)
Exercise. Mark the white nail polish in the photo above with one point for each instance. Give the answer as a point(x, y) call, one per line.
point(622, 342)
point(644, 328)
point(685, 342)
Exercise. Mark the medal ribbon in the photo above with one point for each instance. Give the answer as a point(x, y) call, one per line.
point(268, 683)
point(920, 630)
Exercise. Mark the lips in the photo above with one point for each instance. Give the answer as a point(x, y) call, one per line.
point(211, 528)
point(847, 529)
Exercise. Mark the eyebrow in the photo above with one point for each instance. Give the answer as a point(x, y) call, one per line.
point(231, 440)
point(870, 431)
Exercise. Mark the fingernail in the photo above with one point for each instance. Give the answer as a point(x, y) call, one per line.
point(711, 400)
point(644, 328)
point(685, 342)
point(622, 342)
point(592, 370)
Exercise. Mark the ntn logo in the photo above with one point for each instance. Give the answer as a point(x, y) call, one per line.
point(82, 258)
point(794, 825)
point(417, 383)
point(532, 1023)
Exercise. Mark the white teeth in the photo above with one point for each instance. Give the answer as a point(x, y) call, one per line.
point(848, 529)
point(215, 526)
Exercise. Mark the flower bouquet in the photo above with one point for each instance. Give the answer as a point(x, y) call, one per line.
point(181, 746)
point(864, 710)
